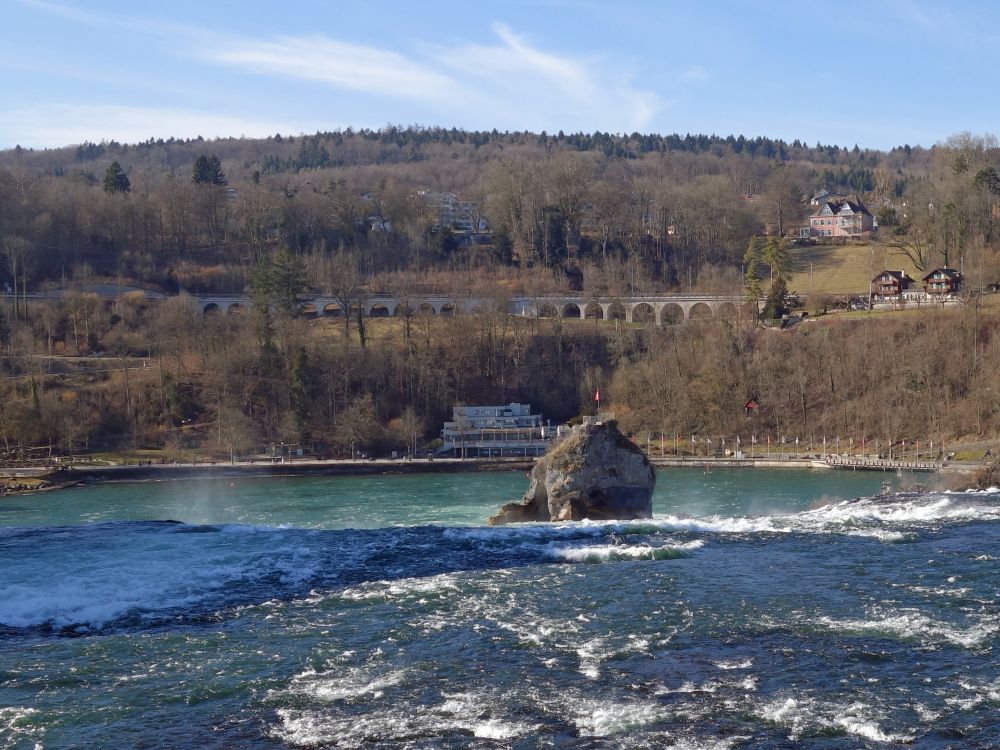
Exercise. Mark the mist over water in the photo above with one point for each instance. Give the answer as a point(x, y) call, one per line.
point(756, 609)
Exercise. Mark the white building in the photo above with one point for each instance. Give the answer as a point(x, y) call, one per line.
point(462, 216)
point(510, 430)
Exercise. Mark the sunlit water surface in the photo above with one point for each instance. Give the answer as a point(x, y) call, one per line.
point(758, 609)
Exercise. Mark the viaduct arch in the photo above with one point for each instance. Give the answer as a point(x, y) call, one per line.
point(666, 309)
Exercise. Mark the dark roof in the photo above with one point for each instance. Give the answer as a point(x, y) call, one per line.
point(836, 204)
point(951, 273)
point(900, 276)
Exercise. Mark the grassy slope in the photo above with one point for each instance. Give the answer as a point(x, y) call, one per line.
point(842, 269)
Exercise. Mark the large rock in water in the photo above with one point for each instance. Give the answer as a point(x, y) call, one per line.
point(989, 476)
point(595, 472)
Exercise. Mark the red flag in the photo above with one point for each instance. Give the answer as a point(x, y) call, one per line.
point(597, 395)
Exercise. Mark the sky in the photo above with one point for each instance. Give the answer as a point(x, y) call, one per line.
point(877, 74)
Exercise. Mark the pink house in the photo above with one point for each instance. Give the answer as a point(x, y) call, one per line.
point(840, 217)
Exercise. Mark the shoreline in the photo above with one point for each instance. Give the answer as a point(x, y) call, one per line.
point(139, 471)
point(61, 477)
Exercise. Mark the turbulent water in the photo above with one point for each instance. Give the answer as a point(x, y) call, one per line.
point(756, 610)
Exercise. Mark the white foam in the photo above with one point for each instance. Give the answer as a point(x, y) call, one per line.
point(14, 724)
point(702, 743)
point(464, 713)
point(743, 664)
point(806, 715)
point(888, 537)
point(598, 650)
point(926, 714)
point(914, 625)
point(939, 591)
point(349, 684)
point(622, 552)
point(494, 729)
point(855, 722)
point(591, 655)
point(443, 584)
point(976, 693)
point(689, 687)
point(601, 719)
point(864, 517)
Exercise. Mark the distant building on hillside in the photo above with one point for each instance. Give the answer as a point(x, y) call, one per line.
point(942, 282)
point(459, 215)
point(897, 289)
point(824, 195)
point(891, 285)
point(510, 430)
point(841, 217)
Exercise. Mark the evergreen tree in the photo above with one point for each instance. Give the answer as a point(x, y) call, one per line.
point(216, 175)
point(199, 173)
point(279, 281)
point(300, 390)
point(776, 256)
point(776, 304)
point(115, 180)
point(208, 171)
point(751, 261)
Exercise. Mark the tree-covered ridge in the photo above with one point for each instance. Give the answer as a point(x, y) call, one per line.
point(324, 149)
point(488, 215)
point(650, 212)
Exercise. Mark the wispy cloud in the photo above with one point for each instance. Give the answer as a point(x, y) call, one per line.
point(107, 20)
point(950, 25)
point(348, 66)
point(548, 90)
point(53, 125)
point(519, 84)
point(507, 82)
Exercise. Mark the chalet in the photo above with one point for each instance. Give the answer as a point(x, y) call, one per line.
point(942, 282)
point(841, 217)
point(891, 284)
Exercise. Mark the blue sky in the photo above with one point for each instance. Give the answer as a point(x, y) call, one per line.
point(878, 74)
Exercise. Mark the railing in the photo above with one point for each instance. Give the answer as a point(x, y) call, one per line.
point(604, 416)
point(885, 464)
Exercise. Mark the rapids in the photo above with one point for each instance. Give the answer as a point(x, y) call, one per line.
point(755, 610)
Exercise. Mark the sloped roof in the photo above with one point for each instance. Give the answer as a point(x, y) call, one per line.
point(900, 276)
point(837, 205)
point(951, 273)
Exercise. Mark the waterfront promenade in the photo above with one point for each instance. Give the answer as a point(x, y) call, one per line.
point(128, 471)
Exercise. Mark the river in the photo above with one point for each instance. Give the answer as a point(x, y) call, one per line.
point(757, 609)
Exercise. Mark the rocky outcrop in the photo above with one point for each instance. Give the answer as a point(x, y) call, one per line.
point(595, 472)
point(989, 476)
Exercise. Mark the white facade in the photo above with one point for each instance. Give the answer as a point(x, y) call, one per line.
point(510, 430)
point(463, 216)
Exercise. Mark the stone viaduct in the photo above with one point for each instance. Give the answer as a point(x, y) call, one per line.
point(666, 309)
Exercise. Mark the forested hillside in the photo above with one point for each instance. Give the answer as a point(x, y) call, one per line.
point(488, 214)
point(677, 210)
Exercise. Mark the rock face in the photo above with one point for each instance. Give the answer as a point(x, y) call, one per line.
point(596, 472)
point(989, 476)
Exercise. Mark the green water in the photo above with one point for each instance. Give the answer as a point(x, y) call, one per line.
point(414, 499)
point(758, 609)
